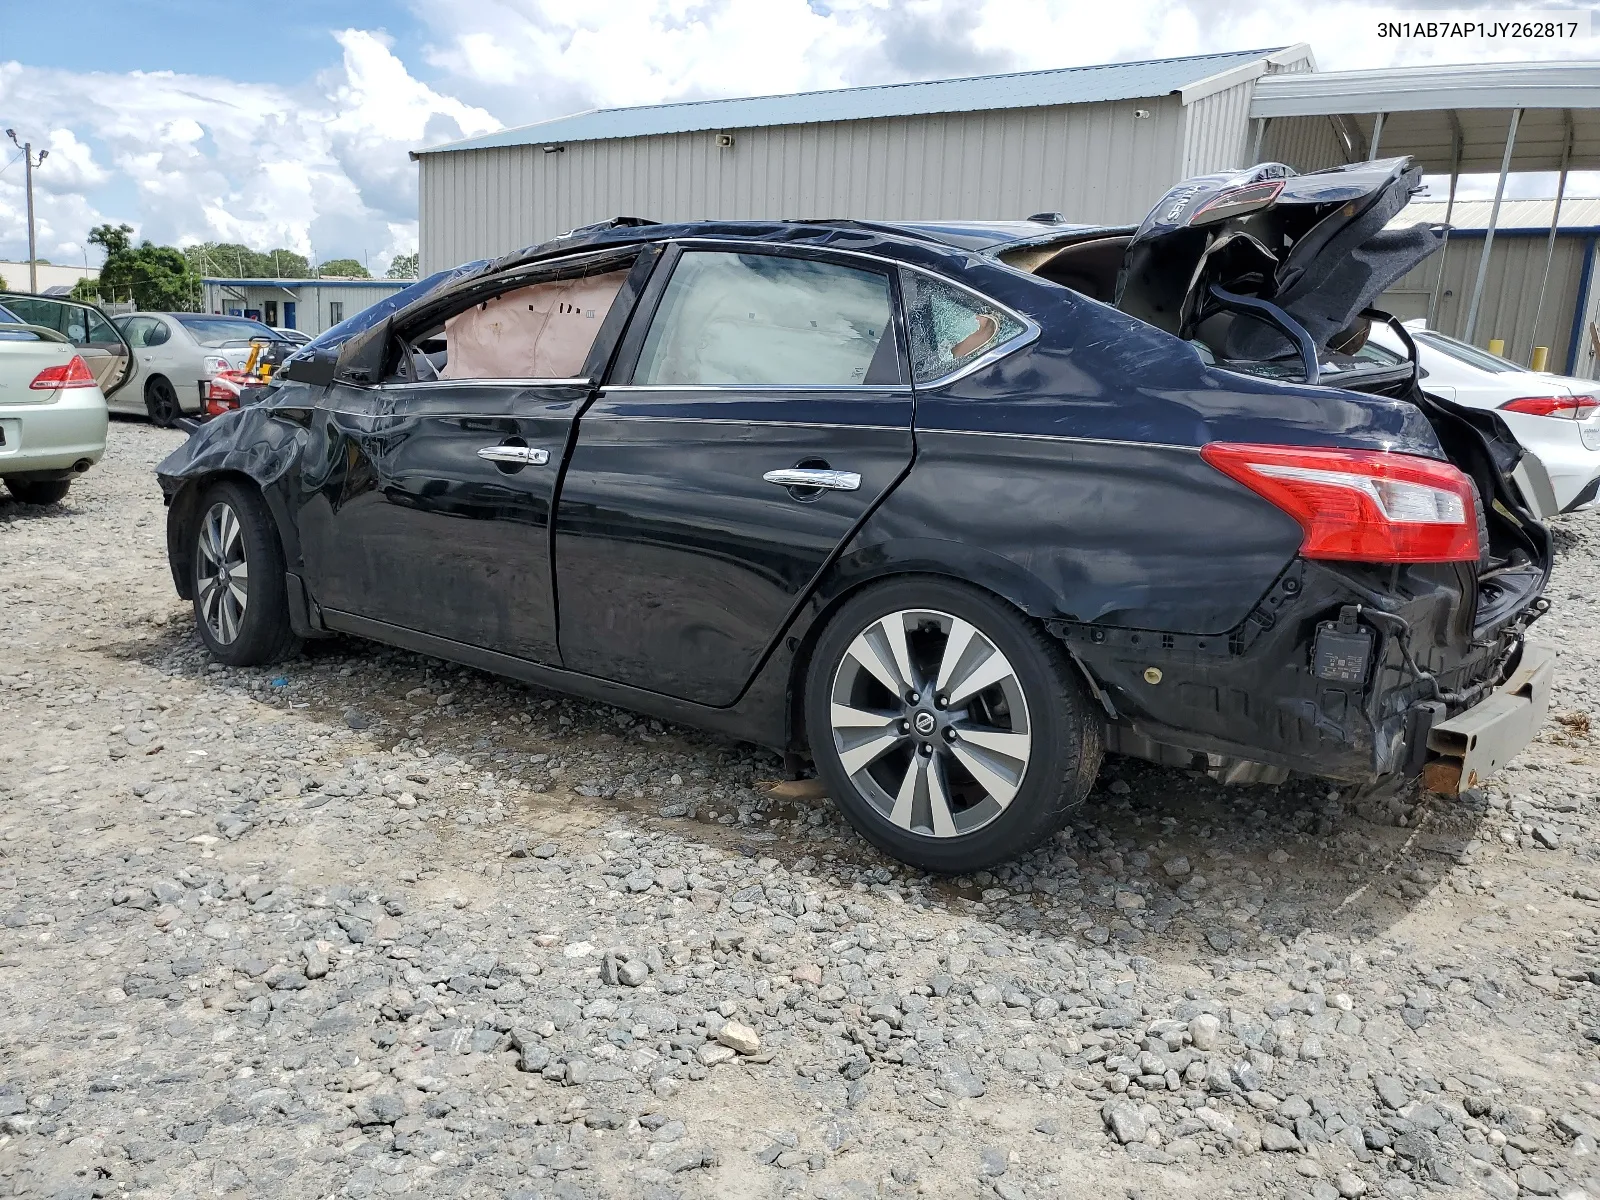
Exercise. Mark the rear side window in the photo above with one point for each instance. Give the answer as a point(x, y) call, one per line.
point(951, 328)
point(101, 332)
point(136, 330)
point(770, 320)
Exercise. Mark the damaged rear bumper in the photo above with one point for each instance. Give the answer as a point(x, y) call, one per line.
point(1253, 703)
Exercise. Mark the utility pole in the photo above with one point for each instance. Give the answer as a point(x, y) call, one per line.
point(29, 164)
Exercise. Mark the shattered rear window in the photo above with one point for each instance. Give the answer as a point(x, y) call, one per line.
point(951, 327)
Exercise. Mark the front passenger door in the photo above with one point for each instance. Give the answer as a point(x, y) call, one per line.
point(427, 496)
point(765, 412)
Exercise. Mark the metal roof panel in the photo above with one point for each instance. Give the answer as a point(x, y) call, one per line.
point(1023, 89)
point(1471, 216)
point(1425, 89)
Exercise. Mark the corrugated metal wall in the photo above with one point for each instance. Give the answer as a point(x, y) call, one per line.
point(1510, 294)
point(1214, 131)
point(1305, 143)
point(1093, 162)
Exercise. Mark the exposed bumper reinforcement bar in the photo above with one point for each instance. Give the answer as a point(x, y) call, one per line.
point(1468, 748)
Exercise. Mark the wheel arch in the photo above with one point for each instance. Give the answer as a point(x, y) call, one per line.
point(891, 562)
point(183, 515)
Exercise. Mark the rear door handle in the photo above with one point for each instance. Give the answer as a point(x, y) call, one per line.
point(521, 456)
point(814, 477)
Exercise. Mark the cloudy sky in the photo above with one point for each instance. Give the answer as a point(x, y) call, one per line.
point(289, 124)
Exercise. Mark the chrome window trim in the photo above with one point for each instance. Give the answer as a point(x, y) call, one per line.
point(1059, 437)
point(1029, 335)
point(714, 419)
point(887, 389)
point(430, 384)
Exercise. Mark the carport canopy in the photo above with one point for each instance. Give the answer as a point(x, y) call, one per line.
point(1472, 118)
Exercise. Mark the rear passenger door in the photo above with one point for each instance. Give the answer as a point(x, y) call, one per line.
point(762, 410)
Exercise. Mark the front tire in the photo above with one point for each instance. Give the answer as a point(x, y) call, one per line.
point(161, 402)
point(39, 491)
point(241, 605)
point(950, 730)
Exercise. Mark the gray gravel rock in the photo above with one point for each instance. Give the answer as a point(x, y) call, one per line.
point(482, 939)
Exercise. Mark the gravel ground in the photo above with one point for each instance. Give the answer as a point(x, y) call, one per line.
point(369, 924)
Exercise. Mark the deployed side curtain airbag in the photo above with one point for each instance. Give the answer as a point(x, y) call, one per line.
point(538, 332)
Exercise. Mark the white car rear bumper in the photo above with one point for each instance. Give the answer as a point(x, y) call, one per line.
point(1565, 466)
point(56, 436)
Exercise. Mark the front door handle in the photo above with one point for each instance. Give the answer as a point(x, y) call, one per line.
point(521, 456)
point(814, 477)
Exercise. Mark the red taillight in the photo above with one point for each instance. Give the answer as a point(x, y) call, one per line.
point(1362, 505)
point(72, 374)
point(1575, 407)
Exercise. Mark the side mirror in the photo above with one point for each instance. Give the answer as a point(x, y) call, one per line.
point(361, 359)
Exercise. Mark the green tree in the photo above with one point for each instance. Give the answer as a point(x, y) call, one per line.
point(403, 266)
point(344, 266)
point(286, 264)
point(87, 290)
point(156, 278)
point(113, 239)
point(239, 261)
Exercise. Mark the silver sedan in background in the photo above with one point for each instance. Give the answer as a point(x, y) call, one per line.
point(180, 353)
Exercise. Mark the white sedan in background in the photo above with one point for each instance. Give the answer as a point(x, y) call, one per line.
point(181, 353)
point(52, 412)
point(1556, 418)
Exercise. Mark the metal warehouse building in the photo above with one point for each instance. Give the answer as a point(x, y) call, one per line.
point(1100, 144)
point(1097, 144)
point(1515, 309)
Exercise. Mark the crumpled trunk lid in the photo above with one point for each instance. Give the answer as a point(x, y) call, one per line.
point(1313, 246)
point(1274, 274)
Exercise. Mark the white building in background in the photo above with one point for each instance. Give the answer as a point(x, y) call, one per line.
point(309, 305)
point(54, 278)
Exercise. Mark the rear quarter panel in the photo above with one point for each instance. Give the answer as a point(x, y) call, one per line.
point(1074, 462)
point(1137, 535)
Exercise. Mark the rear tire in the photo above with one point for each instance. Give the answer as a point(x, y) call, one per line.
point(241, 605)
point(970, 761)
point(39, 491)
point(161, 402)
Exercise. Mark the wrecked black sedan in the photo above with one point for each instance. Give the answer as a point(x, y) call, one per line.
point(950, 509)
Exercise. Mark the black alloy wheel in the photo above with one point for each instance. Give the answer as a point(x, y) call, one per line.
point(949, 728)
point(161, 402)
point(241, 606)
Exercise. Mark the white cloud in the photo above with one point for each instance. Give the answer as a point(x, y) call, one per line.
point(192, 158)
point(533, 59)
point(72, 165)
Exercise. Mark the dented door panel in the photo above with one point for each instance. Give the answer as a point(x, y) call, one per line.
point(403, 522)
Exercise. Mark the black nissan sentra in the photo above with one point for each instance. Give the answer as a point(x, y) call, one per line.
point(950, 509)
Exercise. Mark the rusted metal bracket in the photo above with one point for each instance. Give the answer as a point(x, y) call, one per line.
point(1469, 747)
